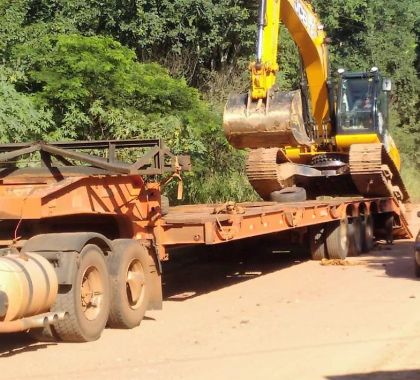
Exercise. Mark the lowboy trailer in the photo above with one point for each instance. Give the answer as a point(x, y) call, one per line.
point(84, 232)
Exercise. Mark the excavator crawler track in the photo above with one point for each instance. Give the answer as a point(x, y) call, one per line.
point(374, 173)
point(262, 171)
point(269, 170)
point(370, 173)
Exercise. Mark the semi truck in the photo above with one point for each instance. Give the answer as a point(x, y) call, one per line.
point(85, 232)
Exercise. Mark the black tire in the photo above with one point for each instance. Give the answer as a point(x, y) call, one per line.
point(289, 194)
point(389, 229)
point(416, 268)
point(317, 243)
point(367, 233)
point(128, 303)
point(43, 334)
point(164, 204)
point(337, 242)
point(86, 320)
point(355, 236)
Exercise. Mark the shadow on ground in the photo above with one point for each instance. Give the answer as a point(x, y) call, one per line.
point(396, 260)
point(381, 375)
point(195, 271)
point(14, 344)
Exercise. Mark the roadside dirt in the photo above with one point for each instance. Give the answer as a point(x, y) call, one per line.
point(250, 313)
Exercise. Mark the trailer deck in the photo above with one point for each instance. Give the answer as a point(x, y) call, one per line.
point(219, 223)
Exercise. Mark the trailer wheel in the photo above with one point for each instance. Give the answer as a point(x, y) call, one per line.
point(416, 267)
point(367, 233)
point(338, 240)
point(289, 194)
point(389, 228)
point(130, 288)
point(355, 236)
point(317, 243)
point(88, 301)
point(164, 205)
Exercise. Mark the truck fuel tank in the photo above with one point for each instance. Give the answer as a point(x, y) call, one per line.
point(28, 285)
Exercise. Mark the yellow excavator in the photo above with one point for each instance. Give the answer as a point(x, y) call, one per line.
point(322, 139)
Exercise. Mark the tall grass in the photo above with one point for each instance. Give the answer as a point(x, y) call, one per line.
point(411, 178)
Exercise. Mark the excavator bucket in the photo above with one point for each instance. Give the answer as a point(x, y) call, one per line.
point(276, 121)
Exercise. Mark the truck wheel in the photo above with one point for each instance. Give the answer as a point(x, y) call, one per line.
point(317, 243)
point(289, 194)
point(355, 237)
point(367, 233)
point(130, 289)
point(338, 240)
point(43, 334)
point(88, 301)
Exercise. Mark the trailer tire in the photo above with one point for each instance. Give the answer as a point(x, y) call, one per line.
point(389, 227)
point(43, 334)
point(367, 233)
point(337, 241)
point(317, 243)
point(87, 302)
point(164, 205)
point(416, 268)
point(128, 303)
point(289, 194)
point(355, 237)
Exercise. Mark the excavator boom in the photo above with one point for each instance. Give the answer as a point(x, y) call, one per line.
point(308, 33)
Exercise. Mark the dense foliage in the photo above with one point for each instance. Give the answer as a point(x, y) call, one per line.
point(163, 68)
point(384, 34)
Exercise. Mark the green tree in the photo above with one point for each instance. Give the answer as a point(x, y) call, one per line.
point(20, 119)
point(89, 80)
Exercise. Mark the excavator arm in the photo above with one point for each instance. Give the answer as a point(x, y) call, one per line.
point(264, 70)
point(243, 117)
point(308, 33)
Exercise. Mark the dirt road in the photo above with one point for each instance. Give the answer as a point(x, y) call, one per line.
point(254, 315)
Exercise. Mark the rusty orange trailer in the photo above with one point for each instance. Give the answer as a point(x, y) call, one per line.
point(84, 233)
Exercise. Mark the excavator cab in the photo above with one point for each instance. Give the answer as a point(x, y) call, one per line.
point(361, 108)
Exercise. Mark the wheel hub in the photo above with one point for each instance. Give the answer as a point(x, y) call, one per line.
point(135, 281)
point(91, 294)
